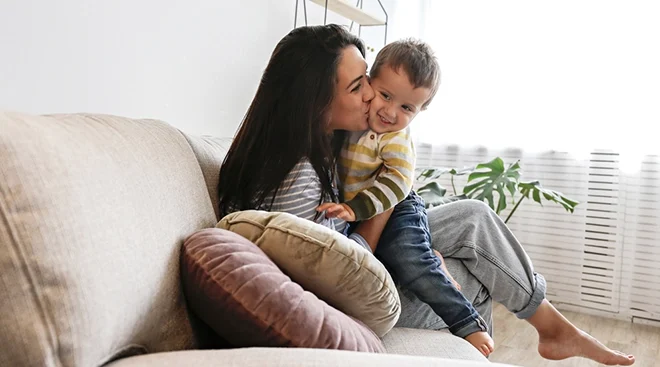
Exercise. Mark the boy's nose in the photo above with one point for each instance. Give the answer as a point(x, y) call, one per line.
point(389, 113)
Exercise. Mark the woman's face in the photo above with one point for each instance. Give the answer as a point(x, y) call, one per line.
point(349, 109)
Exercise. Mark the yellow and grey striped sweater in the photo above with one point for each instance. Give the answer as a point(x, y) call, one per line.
point(376, 171)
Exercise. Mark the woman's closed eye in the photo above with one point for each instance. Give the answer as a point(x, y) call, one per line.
point(357, 88)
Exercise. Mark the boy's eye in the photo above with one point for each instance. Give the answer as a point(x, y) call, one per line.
point(385, 96)
point(407, 108)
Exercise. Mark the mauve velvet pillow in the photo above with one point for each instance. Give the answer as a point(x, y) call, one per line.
point(238, 291)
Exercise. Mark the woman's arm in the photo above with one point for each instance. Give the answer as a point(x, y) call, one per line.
point(299, 195)
point(444, 267)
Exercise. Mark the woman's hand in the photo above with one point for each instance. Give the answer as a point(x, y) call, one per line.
point(444, 267)
point(334, 210)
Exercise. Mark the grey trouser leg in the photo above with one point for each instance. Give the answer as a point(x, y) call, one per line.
point(485, 258)
point(417, 314)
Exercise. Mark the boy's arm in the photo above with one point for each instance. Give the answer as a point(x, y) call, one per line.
point(394, 181)
point(372, 228)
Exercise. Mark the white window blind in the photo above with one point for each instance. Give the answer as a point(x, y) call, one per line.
point(605, 257)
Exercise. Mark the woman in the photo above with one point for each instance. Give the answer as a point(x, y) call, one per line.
point(314, 88)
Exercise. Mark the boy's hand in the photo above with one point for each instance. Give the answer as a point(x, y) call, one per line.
point(334, 210)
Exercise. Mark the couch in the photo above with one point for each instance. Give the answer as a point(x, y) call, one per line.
point(93, 213)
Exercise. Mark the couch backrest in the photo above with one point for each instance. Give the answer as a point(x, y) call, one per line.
point(93, 212)
point(210, 152)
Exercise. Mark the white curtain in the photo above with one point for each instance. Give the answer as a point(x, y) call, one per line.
point(572, 88)
point(561, 75)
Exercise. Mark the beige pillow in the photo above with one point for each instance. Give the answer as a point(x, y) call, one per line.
point(325, 263)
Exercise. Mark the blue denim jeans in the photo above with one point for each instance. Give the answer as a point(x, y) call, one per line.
point(485, 258)
point(405, 249)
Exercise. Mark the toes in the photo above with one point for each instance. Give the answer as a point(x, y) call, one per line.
point(631, 359)
point(621, 359)
point(491, 347)
point(626, 356)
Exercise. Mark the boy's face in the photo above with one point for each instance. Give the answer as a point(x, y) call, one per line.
point(397, 101)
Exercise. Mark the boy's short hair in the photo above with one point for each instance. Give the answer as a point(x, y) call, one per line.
point(416, 58)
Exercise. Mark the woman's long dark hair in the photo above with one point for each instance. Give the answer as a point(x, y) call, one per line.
point(287, 120)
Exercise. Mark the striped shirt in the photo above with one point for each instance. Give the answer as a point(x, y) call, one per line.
point(300, 195)
point(376, 171)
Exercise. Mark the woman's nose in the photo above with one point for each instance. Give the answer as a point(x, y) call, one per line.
point(368, 92)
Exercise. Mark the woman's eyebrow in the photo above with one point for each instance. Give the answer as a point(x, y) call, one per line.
point(354, 80)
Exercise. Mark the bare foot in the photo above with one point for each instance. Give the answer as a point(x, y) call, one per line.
point(560, 339)
point(482, 341)
point(584, 345)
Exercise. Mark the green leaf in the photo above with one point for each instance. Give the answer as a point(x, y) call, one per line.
point(427, 174)
point(536, 196)
point(432, 193)
point(434, 188)
point(493, 176)
point(444, 200)
point(535, 188)
point(433, 173)
point(511, 186)
point(462, 171)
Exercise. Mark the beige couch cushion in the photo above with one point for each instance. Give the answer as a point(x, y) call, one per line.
point(93, 212)
point(325, 263)
point(430, 343)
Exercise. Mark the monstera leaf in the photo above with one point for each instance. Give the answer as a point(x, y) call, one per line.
point(535, 189)
point(427, 174)
point(484, 181)
point(490, 177)
point(432, 193)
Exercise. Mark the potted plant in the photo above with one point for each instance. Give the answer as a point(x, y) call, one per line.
point(483, 181)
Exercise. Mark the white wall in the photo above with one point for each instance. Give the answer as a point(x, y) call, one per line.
point(194, 64)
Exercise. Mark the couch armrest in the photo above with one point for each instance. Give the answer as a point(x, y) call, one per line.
point(280, 357)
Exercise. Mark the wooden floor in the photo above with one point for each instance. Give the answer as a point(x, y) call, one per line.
point(516, 341)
